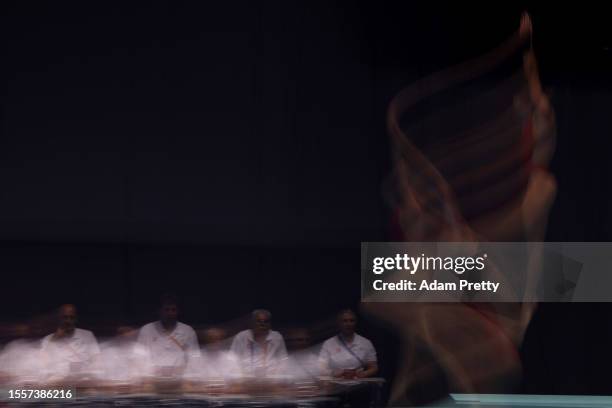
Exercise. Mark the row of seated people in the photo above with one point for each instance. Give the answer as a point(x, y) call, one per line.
point(168, 348)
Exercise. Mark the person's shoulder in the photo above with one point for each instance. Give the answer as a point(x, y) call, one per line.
point(330, 342)
point(147, 330)
point(185, 327)
point(84, 334)
point(276, 335)
point(242, 334)
point(45, 342)
point(363, 340)
point(148, 327)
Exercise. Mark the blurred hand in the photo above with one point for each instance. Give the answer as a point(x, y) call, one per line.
point(349, 374)
point(360, 374)
point(525, 28)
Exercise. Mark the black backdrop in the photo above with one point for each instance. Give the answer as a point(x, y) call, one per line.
point(234, 152)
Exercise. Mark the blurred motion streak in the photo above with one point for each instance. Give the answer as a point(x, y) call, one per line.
point(470, 146)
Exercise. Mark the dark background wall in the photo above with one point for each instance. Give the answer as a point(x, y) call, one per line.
point(234, 152)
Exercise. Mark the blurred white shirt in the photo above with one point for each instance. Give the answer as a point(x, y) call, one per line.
point(256, 359)
point(219, 365)
point(335, 356)
point(20, 361)
point(169, 349)
point(70, 354)
point(123, 362)
point(303, 365)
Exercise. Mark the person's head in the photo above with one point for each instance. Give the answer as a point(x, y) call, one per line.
point(169, 309)
point(67, 317)
point(213, 338)
point(298, 339)
point(127, 334)
point(261, 320)
point(347, 322)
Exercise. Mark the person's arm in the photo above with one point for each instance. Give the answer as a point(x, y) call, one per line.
point(530, 68)
point(281, 353)
point(544, 114)
point(281, 358)
point(371, 363)
point(370, 370)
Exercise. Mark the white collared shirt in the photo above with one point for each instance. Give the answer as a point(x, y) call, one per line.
point(68, 354)
point(255, 359)
point(78, 348)
point(335, 356)
point(169, 349)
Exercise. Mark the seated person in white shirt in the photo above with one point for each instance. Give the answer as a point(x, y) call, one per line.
point(260, 351)
point(20, 360)
point(122, 359)
point(217, 364)
point(169, 343)
point(303, 361)
point(69, 350)
point(348, 355)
